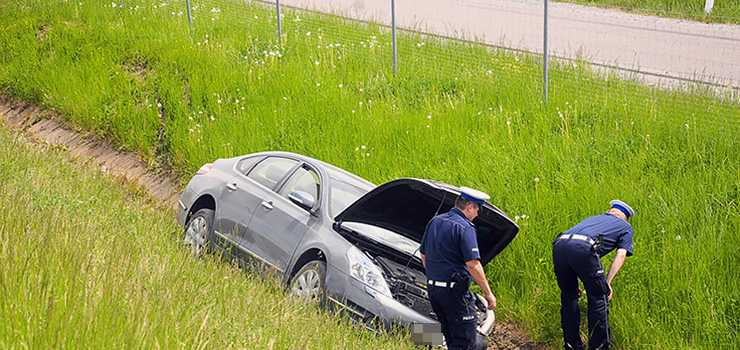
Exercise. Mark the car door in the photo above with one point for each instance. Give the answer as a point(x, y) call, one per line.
point(279, 224)
point(233, 213)
point(241, 197)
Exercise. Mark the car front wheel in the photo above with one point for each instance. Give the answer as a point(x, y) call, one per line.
point(308, 283)
point(198, 231)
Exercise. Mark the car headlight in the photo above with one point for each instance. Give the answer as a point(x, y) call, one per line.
point(362, 269)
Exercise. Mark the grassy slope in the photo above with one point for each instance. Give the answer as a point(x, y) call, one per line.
point(479, 124)
point(84, 264)
point(726, 11)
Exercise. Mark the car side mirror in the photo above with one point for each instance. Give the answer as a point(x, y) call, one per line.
point(302, 199)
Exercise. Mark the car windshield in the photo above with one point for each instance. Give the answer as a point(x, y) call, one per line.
point(346, 188)
point(386, 237)
point(342, 195)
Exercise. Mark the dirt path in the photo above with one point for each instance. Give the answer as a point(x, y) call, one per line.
point(48, 127)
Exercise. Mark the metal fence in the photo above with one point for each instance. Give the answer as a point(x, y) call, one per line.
point(695, 66)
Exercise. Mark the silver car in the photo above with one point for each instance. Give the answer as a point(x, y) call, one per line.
point(329, 234)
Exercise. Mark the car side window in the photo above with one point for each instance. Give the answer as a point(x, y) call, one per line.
point(304, 179)
point(245, 164)
point(271, 170)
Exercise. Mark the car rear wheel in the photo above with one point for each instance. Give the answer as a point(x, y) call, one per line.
point(198, 232)
point(308, 283)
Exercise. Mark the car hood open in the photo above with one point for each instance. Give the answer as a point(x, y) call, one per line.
point(405, 206)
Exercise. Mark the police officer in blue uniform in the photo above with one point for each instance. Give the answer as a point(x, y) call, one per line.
point(576, 255)
point(449, 252)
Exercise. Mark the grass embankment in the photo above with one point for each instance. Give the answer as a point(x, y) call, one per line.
point(86, 265)
point(726, 11)
point(184, 95)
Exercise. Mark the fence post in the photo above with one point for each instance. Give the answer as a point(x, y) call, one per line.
point(544, 57)
point(280, 28)
point(393, 25)
point(190, 19)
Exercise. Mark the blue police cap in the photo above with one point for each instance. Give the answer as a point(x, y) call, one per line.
point(474, 195)
point(623, 207)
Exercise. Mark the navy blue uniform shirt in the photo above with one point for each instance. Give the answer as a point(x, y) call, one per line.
point(449, 241)
point(617, 232)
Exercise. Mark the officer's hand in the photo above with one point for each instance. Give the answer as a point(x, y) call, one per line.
point(580, 292)
point(491, 299)
point(610, 292)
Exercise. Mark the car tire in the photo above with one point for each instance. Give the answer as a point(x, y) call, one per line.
point(198, 232)
point(308, 283)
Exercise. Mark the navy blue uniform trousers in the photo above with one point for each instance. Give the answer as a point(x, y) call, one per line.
point(458, 317)
point(573, 260)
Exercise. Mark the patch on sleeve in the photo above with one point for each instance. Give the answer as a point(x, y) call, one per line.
point(475, 249)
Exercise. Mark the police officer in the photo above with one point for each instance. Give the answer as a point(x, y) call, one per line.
point(449, 252)
point(576, 255)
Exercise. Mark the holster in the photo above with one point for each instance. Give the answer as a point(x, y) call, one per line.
point(462, 283)
point(599, 243)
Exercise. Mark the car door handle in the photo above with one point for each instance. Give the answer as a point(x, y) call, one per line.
point(267, 205)
point(231, 187)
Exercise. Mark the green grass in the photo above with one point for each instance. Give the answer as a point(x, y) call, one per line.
point(457, 112)
point(723, 11)
point(85, 264)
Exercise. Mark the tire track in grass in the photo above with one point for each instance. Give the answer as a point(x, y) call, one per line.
point(48, 127)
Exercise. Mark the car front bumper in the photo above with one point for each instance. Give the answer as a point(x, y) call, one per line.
point(377, 310)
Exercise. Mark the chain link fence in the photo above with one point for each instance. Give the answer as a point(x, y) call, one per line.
point(688, 70)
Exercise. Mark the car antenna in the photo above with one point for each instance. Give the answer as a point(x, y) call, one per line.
point(417, 249)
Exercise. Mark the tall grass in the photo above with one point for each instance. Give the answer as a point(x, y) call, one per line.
point(184, 95)
point(727, 11)
point(85, 264)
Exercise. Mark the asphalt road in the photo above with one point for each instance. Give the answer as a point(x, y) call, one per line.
point(660, 49)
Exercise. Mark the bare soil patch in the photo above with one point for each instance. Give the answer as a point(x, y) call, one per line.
point(129, 169)
point(48, 127)
point(507, 336)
